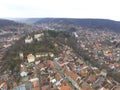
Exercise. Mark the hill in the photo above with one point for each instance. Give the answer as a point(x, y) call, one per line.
point(45, 45)
point(25, 20)
point(9, 25)
point(5, 22)
point(14, 25)
point(85, 23)
point(31, 20)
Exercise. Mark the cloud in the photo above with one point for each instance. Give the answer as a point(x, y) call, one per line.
point(60, 8)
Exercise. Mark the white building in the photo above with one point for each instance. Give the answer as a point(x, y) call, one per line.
point(30, 58)
point(38, 36)
point(29, 39)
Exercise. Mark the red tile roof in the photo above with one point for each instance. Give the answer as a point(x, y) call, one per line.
point(30, 56)
point(71, 74)
point(65, 87)
point(92, 78)
point(42, 65)
point(86, 86)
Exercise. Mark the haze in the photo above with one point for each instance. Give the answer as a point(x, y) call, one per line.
point(105, 9)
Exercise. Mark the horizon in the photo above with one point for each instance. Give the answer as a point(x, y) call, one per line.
point(19, 18)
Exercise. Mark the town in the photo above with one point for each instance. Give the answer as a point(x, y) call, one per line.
point(64, 68)
point(59, 45)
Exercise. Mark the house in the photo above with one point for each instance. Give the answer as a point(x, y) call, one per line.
point(72, 77)
point(103, 88)
point(80, 62)
point(62, 64)
point(65, 86)
point(30, 58)
point(42, 66)
point(99, 82)
point(53, 80)
point(84, 72)
point(91, 78)
point(103, 72)
point(3, 86)
point(35, 83)
point(50, 64)
point(21, 55)
point(95, 70)
point(58, 77)
point(38, 36)
point(29, 39)
point(86, 86)
point(6, 45)
point(76, 35)
point(51, 54)
point(38, 55)
point(23, 71)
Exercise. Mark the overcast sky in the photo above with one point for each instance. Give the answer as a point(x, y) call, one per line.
point(106, 9)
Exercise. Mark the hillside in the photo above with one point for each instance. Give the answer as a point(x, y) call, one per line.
point(14, 26)
point(31, 20)
point(25, 20)
point(4, 23)
point(46, 44)
point(85, 23)
point(9, 25)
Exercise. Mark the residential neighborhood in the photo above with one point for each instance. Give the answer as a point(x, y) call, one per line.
point(66, 70)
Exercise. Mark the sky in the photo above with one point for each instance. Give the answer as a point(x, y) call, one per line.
point(104, 9)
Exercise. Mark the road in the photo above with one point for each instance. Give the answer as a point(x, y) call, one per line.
point(59, 69)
